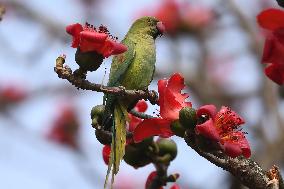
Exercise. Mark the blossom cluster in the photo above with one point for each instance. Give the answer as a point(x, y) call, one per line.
point(222, 127)
point(65, 128)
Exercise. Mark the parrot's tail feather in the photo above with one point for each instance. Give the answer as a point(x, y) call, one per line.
point(118, 141)
point(109, 111)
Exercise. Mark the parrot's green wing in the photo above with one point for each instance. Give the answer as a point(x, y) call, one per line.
point(120, 64)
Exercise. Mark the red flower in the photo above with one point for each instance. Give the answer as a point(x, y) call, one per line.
point(151, 178)
point(275, 72)
point(175, 186)
point(171, 101)
point(88, 39)
point(222, 127)
point(273, 56)
point(271, 19)
point(141, 106)
point(12, 94)
point(197, 17)
point(106, 153)
point(169, 14)
point(273, 53)
point(65, 128)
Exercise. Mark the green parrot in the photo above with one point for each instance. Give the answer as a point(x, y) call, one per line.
point(133, 69)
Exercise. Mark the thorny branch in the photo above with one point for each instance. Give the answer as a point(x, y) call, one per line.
point(80, 82)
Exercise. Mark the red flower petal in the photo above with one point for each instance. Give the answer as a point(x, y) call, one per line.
point(134, 121)
point(168, 105)
point(107, 48)
point(175, 85)
point(235, 144)
point(279, 35)
point(197, 17)
point(169, 14)
point(141, 106)
point(232, 149)
point(13, 94)
point(111, 47)
point(276, 73)
point(208, 130)
point(74, 30)
point(171, 100)
point(227, 120)
point(92, 41)
point(162, 84)
point(65, 128)
point(175, 186)
point(271, 19)
point(152, 127)
point(93, 36)
point(273, 51)
point(106, 153)
point(209, 110)
point(150, 179)
point(117, 48)
point(273, 55)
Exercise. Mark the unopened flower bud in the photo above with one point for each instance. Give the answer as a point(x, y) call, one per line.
point(97, 111)
point(89, 61)
point(187, 117)
point(106, 153)
point(167, 146)
point(135, 156)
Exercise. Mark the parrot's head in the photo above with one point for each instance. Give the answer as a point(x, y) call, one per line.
point(149, 26)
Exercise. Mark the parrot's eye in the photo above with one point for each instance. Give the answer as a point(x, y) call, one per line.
point(161, 28)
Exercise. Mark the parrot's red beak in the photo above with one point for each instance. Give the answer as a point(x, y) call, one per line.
point(161, 27)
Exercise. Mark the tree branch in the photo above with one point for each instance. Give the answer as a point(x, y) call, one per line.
point(80, 82)
point(245, 170)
